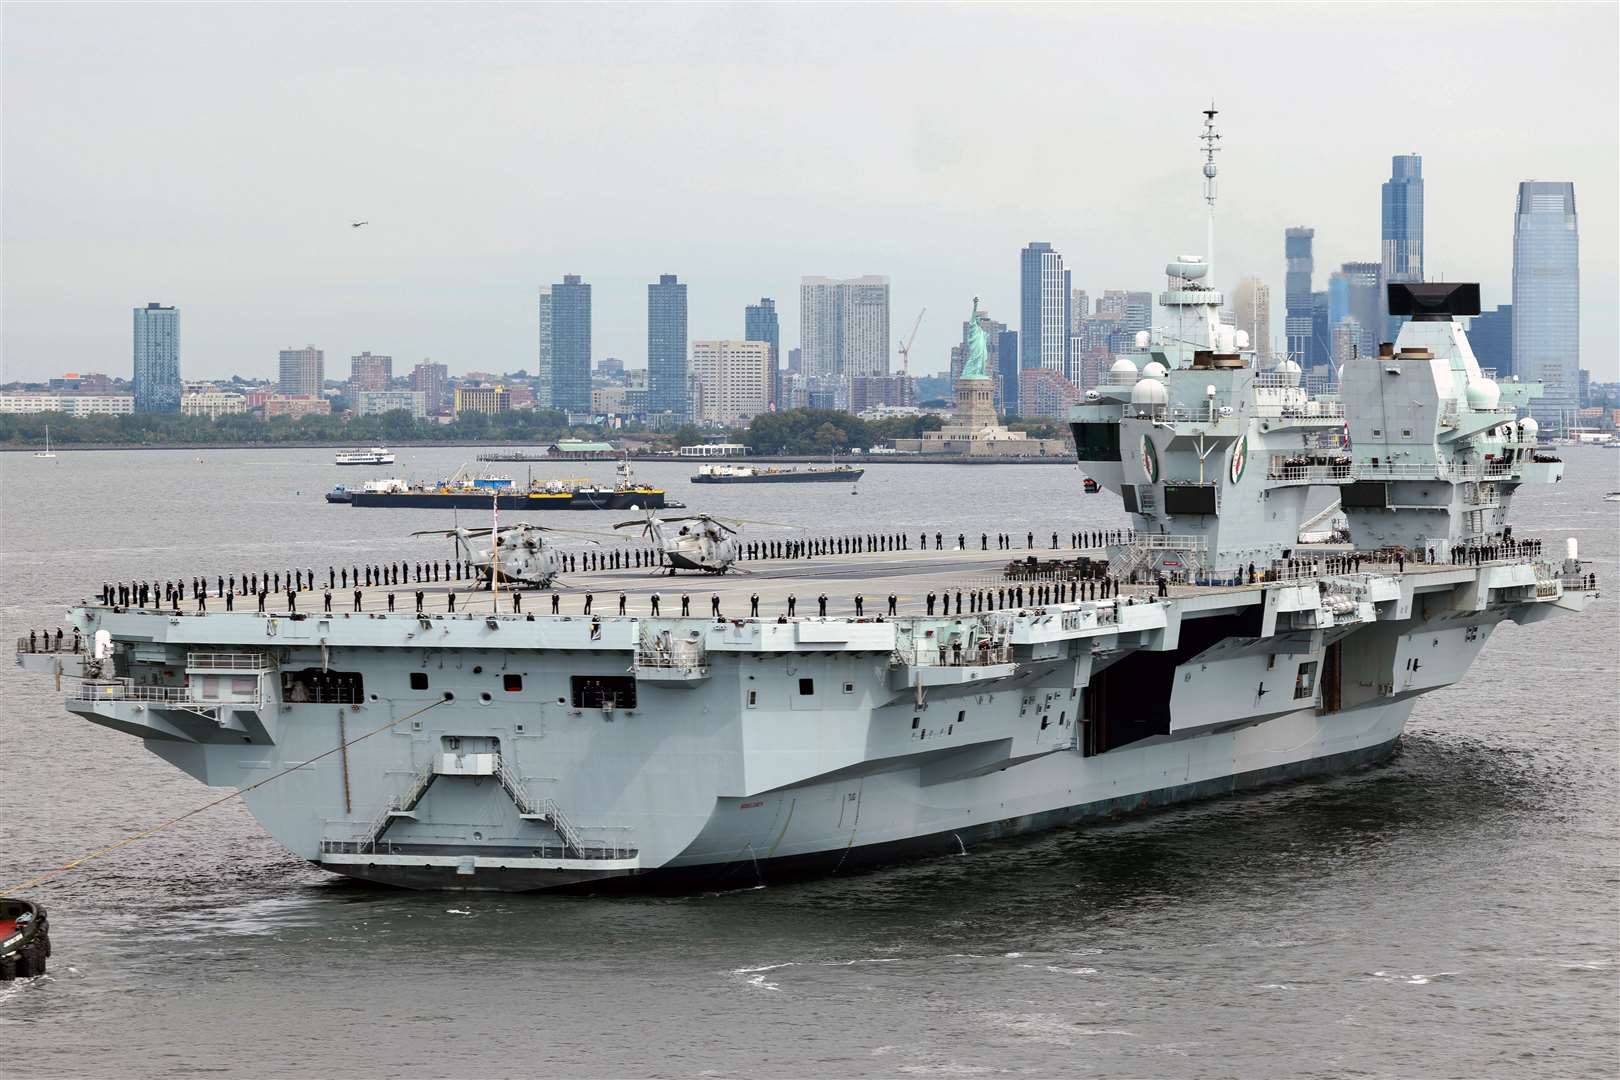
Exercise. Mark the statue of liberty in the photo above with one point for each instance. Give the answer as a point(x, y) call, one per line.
point(973, 363)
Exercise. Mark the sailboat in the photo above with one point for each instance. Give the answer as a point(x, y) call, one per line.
point(46, 453)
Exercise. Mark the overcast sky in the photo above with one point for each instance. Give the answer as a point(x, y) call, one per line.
point(212, 156)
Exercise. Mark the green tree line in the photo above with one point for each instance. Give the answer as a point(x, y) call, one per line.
point(827, 431)
point(152, 429)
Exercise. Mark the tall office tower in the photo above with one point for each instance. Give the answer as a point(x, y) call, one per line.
point(1045, 303)
point(1321, 334)
point(303, 372)
point(1297, 293)
point(760, 324)
point(571, 345)
point(1365, 302)
point(1547, 298)
point(1138, 311)
point(430, 379)
point(1079, 310)
point(735, 381)
point(543, 354)
point(157, 358)
point(1490, 333)
point(1251, 310)
point(368, 372)
point(1006, 345)
point(1402, 252)
point(844, 326)
point(666, 347)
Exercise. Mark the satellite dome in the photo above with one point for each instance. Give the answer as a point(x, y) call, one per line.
point(1149, 392)
point(1242, 339)
point(1483, 394)
point(1528, 429)
point(1288, 372)
point(1143, 339)
point(1124, 369)
point(1153, 370)
point(1187, 268)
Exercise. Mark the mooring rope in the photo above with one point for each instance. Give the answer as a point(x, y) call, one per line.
point(154, 830)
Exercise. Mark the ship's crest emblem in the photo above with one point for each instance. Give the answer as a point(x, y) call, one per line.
point(1150, 460)
point(1240, 458)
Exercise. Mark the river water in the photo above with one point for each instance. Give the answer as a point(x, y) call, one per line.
point(1451, 914)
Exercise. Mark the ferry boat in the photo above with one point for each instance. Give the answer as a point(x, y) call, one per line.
point(377, 455)
point(770, 474)
point(464, 491)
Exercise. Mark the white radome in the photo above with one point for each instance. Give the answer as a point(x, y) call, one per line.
point(1483, 394)
point(1153, 370)
point(1149, 392)
point(1123, 370)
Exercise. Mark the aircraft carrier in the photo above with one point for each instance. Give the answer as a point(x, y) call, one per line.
point(1205, 652)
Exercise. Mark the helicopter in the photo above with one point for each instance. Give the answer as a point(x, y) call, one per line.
point(525, 557)
point(708, 545)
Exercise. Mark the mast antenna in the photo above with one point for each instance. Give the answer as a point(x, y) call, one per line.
point(1212, 146)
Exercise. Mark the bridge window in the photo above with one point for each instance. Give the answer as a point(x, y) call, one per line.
point(419, 680)
point(603, 691)
point(1305, 681)
point(322, 687)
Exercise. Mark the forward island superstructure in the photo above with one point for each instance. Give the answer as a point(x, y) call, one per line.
point(1206, 651)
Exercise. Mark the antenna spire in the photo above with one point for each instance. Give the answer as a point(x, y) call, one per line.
point(1211, 140)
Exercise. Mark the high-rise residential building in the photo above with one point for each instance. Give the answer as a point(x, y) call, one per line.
point(543, 353)
point(793, 360)
point(760, 324)
point(866, 339)
point(1079, 310)
point(1138, 311)
point(1297, 301)
point(666, 347)
point(1547, 298)
point(377, 402)
point(1044, 393)
point(1045, 293)
point(735, 381)
point(429, 379)
point(1402, 233)
point(157, 358)
point(1006, 345)
point(1251, 313)
point(303, 372)
point(844, 326)
point(369, 372)
point(1490, 333)
point(571, 345)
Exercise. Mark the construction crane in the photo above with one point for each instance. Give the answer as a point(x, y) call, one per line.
point(905, 346)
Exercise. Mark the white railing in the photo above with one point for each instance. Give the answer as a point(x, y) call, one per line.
point(1311, 474)
point(1428, 470)
point(228, 661)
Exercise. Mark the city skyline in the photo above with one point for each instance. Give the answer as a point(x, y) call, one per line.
point(934, 217)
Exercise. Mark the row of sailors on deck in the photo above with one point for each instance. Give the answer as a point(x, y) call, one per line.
point(43, 642)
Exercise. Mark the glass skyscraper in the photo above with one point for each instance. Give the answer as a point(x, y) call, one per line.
point(1298, 304)
point(1490, 334)
point(157, 359)
point(1402, 251)
point(543, 355)
point(666, 347)
point(571, 345)
point(1547, 298)
point(759, 324)
point(1045, 299)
